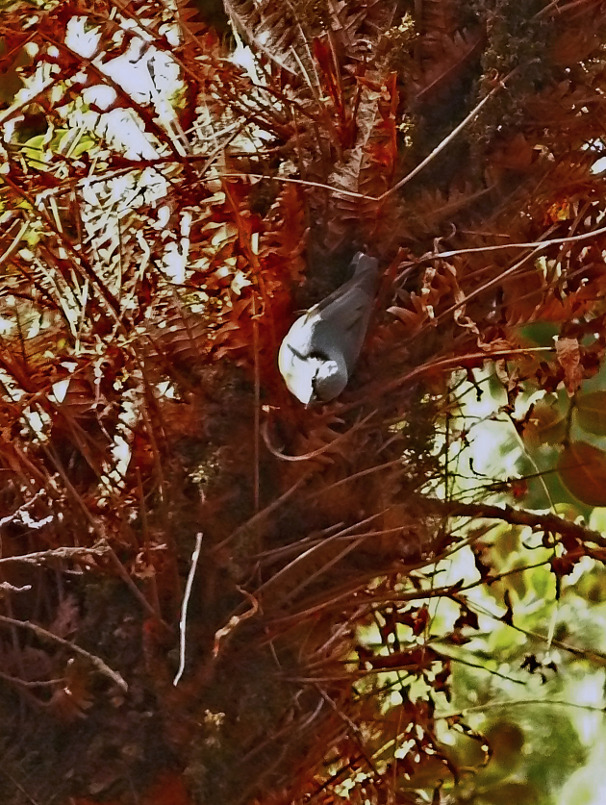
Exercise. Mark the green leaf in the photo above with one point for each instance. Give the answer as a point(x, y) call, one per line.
point(36, 151)
point(507, 793)
point(591, 412)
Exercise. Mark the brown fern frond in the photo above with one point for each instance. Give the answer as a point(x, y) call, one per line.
point(445, 62)
point(281, 33)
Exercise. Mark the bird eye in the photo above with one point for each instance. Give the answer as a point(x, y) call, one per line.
point(295, 352)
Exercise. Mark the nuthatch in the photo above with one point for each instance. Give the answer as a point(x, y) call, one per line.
point(319, 352)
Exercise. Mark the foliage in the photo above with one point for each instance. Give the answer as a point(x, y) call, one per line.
point(349, 592)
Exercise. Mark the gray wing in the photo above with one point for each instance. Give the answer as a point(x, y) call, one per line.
point(364, 278)
point(335, 327)
point(342, 318)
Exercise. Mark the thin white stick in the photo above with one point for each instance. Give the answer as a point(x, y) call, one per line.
point(183, 621)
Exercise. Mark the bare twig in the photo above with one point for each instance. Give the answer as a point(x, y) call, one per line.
point(537, 245)
point(235, 621)
point(44, 634)
point(545, 522)
point(6, 587)
point(314, 453)
point(447, 140)
point(55, 553)
point(18, 786)
point(443, 365)
point(261, 515)
point(478, 708)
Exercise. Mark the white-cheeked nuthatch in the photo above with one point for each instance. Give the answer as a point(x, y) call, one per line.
point(319, 352)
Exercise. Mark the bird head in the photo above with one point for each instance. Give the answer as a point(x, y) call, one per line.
point(329, 380)
point(312, 378)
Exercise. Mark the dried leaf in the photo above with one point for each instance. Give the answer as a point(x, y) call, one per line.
point(582, 468)
point(569, 357)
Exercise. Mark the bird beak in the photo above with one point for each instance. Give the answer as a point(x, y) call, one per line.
point(312, 400)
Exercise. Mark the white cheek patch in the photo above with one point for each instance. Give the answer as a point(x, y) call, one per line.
point(299, 378)
point(327, 369)
point(331, 379)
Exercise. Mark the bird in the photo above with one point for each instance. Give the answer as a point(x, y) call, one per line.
point(319, 352)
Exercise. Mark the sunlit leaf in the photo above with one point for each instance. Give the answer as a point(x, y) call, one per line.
point(546, 423)
point(35, 150)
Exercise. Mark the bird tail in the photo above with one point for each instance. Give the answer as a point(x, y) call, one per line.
point(365, 271)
